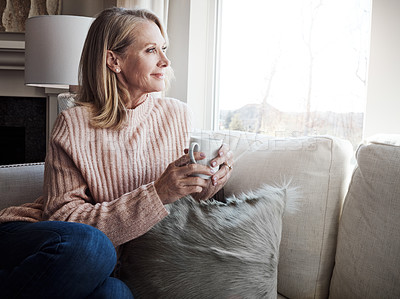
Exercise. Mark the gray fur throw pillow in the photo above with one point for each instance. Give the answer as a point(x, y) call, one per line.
point(211, 249)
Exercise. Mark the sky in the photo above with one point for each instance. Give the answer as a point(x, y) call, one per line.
point(267, 46)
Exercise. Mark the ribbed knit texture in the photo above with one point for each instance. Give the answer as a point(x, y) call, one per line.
point(105, 178)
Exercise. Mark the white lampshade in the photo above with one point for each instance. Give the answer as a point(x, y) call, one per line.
point(53, 47)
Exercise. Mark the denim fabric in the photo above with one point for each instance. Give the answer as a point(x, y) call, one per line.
point(54, 259)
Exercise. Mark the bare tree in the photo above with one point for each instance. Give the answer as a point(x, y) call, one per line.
point(263, 115)
point(308, 40)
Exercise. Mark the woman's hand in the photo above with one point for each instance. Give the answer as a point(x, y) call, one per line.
point(225, 162)
point(176, 181)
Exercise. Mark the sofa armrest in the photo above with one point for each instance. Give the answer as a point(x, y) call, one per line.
point(367, 263)
point(20, 183)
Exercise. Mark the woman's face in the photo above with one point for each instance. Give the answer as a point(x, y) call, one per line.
point(142, 69)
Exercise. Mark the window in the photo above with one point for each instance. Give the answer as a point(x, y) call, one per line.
point(289, 68)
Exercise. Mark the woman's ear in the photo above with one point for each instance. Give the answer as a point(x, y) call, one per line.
point(112, 62)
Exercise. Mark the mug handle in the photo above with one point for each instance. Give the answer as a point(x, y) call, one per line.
point(194, 147)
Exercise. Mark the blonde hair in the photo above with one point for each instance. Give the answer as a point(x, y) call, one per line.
point(99, 88)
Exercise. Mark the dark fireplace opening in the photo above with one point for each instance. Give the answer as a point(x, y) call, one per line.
point(22, 130)
point(12, 143)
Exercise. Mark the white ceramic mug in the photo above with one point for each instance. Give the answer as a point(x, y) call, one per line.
point(209, 146)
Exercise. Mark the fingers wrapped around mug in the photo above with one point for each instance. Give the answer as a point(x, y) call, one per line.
point(225, 162)
point(178, 179)
point(185, 159)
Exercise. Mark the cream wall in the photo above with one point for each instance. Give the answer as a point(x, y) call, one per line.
point(383, 100)
point(178, 50)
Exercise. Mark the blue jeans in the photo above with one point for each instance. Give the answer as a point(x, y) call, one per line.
point(54, 259)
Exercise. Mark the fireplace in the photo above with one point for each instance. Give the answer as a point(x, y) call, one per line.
point(27, 113)
point(22, 129)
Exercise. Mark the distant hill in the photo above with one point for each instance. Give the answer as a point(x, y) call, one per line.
point(271, 121)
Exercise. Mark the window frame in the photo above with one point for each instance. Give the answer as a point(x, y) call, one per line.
point(383, 93)
point(202, 71)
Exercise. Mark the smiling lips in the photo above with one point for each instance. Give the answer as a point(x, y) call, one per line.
point(158, 75)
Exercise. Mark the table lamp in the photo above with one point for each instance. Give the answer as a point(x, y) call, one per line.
point(53, 47)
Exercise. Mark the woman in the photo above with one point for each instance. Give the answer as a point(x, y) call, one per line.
point(113, 162)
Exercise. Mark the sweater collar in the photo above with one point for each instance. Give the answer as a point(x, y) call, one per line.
point(138, 114)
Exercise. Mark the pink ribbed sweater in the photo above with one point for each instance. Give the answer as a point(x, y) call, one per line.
point(105, 178)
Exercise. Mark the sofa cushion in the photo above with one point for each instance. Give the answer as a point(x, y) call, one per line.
point(367, 259)
point(319, 166)
point(211, 249)
point(20, 183)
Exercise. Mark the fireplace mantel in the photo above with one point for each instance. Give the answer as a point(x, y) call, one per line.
point(12, 51)
point(12, 65)
point(12, 81)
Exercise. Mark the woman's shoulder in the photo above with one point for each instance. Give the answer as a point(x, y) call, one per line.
point(76, 111)
point(77, 115)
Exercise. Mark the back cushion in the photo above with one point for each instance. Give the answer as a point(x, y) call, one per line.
point(318, 166)
point(20, 183)
point(368, 259)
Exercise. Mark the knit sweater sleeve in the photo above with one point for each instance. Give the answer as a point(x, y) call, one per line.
point(67, 195)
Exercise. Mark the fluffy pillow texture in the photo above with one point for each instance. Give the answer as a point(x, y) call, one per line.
point(211, 249)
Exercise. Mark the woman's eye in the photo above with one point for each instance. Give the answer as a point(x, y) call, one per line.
point(153, 50)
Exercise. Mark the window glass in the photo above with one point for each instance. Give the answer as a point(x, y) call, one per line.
point(293, 67)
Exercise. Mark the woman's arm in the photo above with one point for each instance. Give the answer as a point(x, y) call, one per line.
point(68, 197)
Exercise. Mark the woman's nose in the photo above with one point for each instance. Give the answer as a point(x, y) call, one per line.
point(164, 61)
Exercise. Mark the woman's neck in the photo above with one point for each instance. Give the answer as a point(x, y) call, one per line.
point(133, 102)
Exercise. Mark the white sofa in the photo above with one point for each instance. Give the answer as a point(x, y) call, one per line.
point(325, 251)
